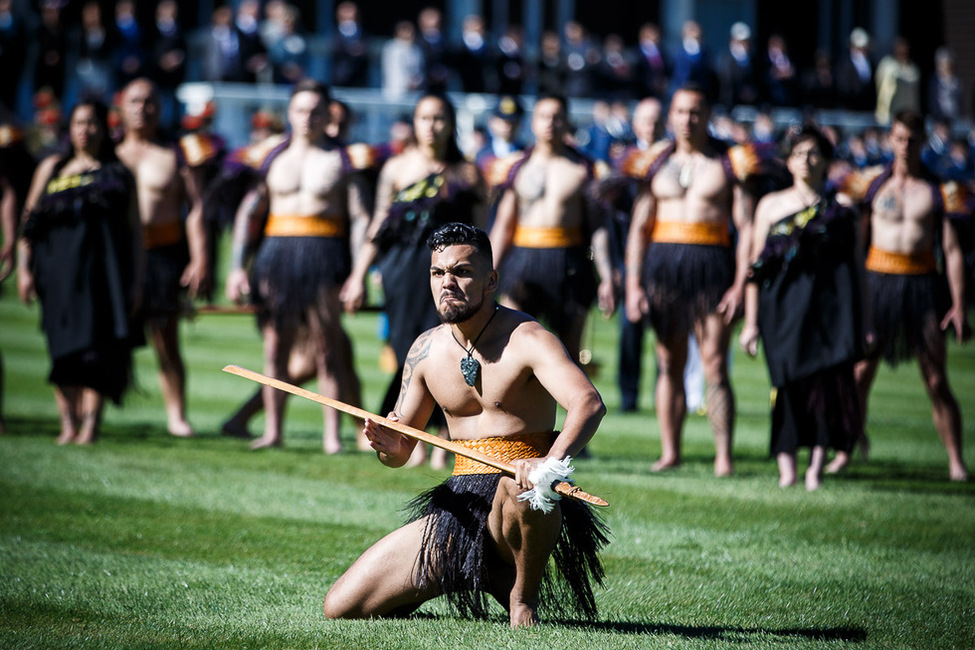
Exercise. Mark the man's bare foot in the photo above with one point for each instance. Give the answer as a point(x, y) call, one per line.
point(235, 429)
point(331, 444)
point(85, 439)
point(723, 467)
point(839, 463)
point(813, 480)
point(522, 615)
point(959, 473)
point(180, 429)
point(664, 464)
point(67, 436)
point(265, 442)
point(787, 481)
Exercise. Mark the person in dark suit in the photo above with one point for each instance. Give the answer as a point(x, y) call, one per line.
point(651, 66)
point(350, 55)
point(854, 75)
point(739, 79)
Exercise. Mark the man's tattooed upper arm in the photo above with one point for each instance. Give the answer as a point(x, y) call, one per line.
point(418, 352)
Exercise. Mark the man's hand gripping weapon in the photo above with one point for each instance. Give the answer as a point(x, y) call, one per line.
point(563, 488)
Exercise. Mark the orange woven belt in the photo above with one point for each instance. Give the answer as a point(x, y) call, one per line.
point(163, 234)
point(507, 448)
point(304, 226)
point(526, 237)
point(680, 232)
point(881, 261)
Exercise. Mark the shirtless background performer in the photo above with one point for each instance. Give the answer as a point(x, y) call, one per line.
point(543, 230)
point(303, 260)
point(912, 305)
point(471, 536)
point(164, 185)
point(302, 367)
point(683, 274)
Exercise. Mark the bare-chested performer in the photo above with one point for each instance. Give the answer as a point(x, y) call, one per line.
point(682, 272)
point(906, 209)
point(237, 185)
point(303, 260)
point(498, 375)
point(165, 185)
point(544, 228)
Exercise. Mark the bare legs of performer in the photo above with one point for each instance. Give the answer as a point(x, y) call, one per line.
point(301, 369)
point(382, 581)
point(172, 374)
point(814, 473)
point(944, 407)
point(670, 400)
point(80, 410)
point(713, 338)
point(329, 347)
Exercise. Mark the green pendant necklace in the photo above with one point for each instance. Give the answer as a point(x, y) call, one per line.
point(469, 366)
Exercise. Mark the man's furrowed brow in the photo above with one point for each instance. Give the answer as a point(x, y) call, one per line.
point(453, 268)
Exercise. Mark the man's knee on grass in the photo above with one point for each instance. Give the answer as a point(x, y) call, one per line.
point(520, 526)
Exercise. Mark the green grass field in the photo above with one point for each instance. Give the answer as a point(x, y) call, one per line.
point(144, 540)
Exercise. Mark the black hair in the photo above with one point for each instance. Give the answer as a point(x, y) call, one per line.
point(106, 150)
point(696, 88)
point(810, 132)
point(561, 99)
point(312, 86)
point(453, 153)
point(913, 120)
point(461, 234)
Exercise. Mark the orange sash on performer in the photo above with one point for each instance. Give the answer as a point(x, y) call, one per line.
point(881, 261)
point(164, 234)
point(680, 232)
point(526, 237)
point(304, 226)
point(507, 448)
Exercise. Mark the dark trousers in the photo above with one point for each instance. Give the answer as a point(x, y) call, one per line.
point(630, 362)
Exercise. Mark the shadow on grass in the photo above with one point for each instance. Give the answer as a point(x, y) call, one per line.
point(153, 433)
point(116, 432)
point(896, 476)
point(746, 465)
point(719, 632)
point(17, 426)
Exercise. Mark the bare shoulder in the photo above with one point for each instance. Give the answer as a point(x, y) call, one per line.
point(421, 348)
point(399, 162)
point(771, 206)
point(529, 337)
point(47, 165)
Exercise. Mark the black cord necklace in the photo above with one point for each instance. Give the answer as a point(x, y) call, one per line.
point(469, 366)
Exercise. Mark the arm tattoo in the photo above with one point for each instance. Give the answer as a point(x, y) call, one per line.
point(418, 352)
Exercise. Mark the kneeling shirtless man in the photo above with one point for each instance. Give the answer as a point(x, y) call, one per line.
point(499, 376)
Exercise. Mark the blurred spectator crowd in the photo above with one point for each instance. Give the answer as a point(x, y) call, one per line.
point(267, 43)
